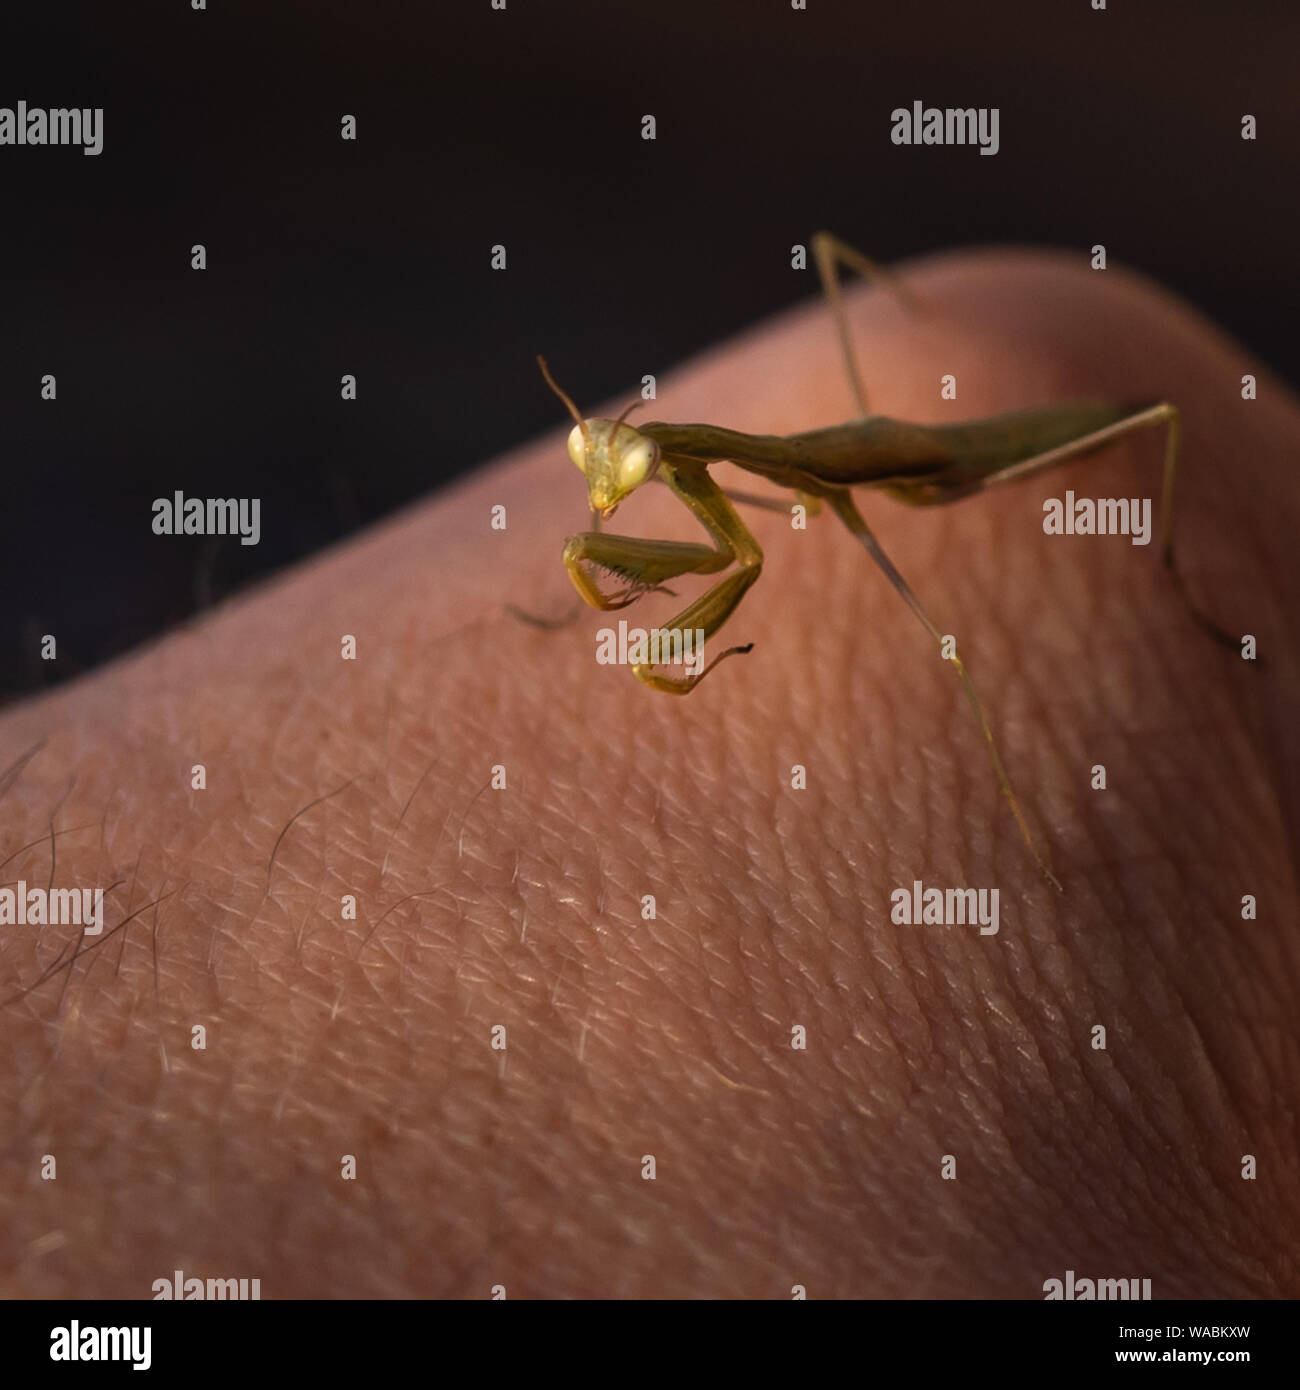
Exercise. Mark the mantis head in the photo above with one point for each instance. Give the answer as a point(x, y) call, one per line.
point(615, 458)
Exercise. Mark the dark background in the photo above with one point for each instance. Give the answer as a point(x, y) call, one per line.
point(523, 127)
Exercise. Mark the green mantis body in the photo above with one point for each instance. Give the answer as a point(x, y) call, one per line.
point(919, 464)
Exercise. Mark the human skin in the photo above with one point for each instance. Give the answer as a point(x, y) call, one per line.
point(774, 1166)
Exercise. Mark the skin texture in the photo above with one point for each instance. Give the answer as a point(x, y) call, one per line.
point(672, 1037)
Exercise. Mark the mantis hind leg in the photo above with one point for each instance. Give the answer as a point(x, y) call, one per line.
point(1172, 438)
point(844, 507)
point(829, 252)
point(1162, 413)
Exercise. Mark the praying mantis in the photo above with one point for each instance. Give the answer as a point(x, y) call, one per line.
point(923, 465)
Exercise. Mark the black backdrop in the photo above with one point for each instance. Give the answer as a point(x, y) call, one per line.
point(522, 126)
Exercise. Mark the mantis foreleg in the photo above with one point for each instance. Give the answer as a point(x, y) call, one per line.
point(646, 564)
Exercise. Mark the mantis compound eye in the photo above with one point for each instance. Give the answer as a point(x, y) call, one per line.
point(578, 447)
point(637, 463)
